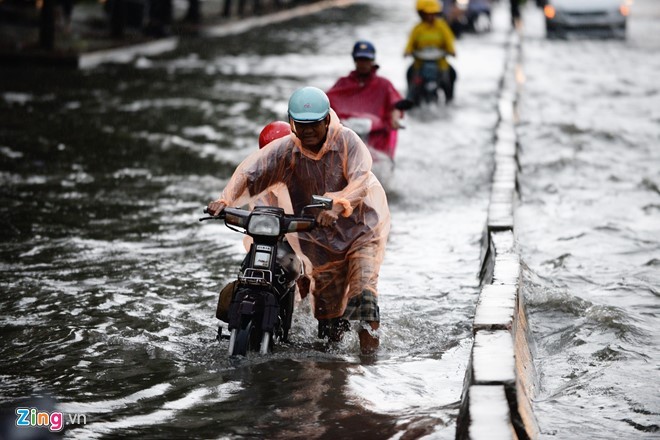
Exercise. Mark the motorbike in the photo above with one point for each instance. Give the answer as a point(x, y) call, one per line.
point(261, 307)
point(363, 125)
point(424, 83)
point(382, 161)
point(468, 16)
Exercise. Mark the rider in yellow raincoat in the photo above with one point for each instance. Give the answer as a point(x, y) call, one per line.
point(432, 32)
point(343, 255)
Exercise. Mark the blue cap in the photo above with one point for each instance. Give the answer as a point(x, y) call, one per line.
point(364, 49)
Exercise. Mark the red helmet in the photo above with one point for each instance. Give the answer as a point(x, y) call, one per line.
point(272, 131)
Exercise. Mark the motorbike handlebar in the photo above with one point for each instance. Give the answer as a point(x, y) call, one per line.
point(293, 223)
point(404, 104)
point(235, 213)
point(220, 216)
point(430, 54)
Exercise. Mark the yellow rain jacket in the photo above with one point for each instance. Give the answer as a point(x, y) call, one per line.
point(438, 35)
point(342, 260)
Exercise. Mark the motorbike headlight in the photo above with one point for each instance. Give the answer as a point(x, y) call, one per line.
point(260, 224)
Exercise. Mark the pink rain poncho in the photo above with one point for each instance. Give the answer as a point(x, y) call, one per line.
point(373, 97)
point(343, 260)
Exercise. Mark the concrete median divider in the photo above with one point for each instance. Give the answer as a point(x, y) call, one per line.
point(500, 379)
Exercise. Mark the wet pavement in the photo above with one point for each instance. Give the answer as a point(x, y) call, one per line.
point(588, 226)
point(112, 282)
point(109, 281)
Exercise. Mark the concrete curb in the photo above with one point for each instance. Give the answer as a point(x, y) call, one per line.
point(276, 17)
point(128, 53)
point(500, 379)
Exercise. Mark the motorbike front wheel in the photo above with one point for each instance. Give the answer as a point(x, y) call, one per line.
point(287, 314)
point(248, 338)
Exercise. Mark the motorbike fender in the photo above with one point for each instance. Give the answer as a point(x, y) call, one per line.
point(241, 305)
point(429, 71)
point(289, 262)
point(271, 310)
point(246, 308)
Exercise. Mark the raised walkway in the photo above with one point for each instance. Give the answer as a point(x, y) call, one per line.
point(88, 41)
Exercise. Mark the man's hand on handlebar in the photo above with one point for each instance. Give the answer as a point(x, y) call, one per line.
point(329, 218)
point(215, 208)
point(396, 119)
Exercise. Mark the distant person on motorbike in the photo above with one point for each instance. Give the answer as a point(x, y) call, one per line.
point(363, 93)
point(344, 253)
point(432, 32)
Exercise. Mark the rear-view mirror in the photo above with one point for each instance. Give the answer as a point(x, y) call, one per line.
point(404, 104)
point(322, 202)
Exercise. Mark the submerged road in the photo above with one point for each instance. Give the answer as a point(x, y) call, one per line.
point(109, 282)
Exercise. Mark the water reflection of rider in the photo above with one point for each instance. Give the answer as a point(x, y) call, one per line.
point(304, 399)
point(346, 250)
point(363, 93)
point(432, 32)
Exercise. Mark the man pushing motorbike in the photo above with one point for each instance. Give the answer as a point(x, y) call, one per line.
point(343, 255)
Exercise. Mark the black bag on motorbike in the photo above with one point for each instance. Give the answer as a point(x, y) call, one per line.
point(224, 300)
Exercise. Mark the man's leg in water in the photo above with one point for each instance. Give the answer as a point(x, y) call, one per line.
point(364, 266)
point(363, 270)
point(328, 302)
point(368, 342)
point(364, 308)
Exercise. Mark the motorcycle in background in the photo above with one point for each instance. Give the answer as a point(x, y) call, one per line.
point(425, 83)
point(363, 125)
point(468, 16)
point(261, 307)
point(382, 160)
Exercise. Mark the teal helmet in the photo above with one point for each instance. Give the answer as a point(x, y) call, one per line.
point(308, 104)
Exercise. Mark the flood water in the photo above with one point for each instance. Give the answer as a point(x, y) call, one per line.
point(109, 282)
point(588, 227)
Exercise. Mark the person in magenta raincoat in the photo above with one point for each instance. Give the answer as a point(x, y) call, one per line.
point(363, 93)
